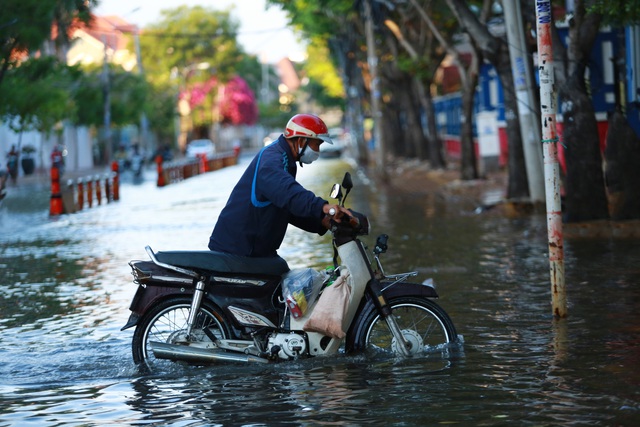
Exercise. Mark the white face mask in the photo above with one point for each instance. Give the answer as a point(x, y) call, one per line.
point(309, 156)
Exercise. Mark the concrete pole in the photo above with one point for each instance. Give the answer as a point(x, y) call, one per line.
point(523, 83)
point(144, 122)
point(372, 60)
point(106, 88)
point(551, 165)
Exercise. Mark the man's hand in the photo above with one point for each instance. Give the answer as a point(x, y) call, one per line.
point(333, 212)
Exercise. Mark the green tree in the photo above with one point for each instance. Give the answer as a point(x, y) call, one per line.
point(337, 24)
point(617, 13)
point(38, 94)
point(188, 47)
point(188, 36)
point(25, 25)
point(128, 92)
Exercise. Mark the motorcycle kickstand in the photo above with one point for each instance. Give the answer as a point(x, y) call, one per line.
point(195, 306)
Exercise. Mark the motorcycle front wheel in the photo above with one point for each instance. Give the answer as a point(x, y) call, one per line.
point(423, 323)
point(167, 323)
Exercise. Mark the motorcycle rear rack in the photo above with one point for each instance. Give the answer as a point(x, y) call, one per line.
point(145, 272)
point(152, 255)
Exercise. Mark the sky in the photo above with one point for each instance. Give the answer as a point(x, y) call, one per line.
point(263, 32)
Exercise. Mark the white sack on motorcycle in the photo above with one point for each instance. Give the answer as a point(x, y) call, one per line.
point(331, 309)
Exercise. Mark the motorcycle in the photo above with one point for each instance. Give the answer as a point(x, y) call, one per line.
point(205, 307)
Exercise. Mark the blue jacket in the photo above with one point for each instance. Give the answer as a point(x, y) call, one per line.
point(264, 201)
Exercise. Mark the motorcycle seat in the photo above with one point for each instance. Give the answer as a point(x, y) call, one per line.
point(224, 262)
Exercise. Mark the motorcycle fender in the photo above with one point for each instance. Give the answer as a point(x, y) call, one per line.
point(146, 296)
point(403, 289)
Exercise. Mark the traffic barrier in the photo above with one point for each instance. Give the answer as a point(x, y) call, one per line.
point(98, 190)
point(80, 204)
point(176, 171)
point(116, 180)
point(82, 192)
point(161, 181)
point(55, 204)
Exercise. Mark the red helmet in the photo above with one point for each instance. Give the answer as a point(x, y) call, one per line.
point(307, 125)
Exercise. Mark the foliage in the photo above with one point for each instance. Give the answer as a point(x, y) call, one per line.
point(617, 13)
point(187, 36)
point(251, 71)
point(128, 97)
point(320, 68)
point(26, 24)
point(238, 104)
point(322, 23)
point(273, 117)
point(128, 94)
point(38, 94)
point(161, 112)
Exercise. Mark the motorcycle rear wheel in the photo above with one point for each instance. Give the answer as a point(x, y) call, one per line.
point(423, 322)
point(165, 322)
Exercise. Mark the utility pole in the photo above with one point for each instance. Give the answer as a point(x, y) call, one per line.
point(372, 60)
point(144, 123)
point(264, 90)
point(523, 83)
point(106, 90)
point(551, 165)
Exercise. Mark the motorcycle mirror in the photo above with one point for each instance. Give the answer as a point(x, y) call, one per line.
point(336, 192)
point(347, 184)
point(346, 181)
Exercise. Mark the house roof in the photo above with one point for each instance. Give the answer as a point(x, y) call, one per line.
point(110, 30)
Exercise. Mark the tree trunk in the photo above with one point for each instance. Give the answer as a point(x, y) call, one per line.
point(354, 85)
point(622, 171)
point(435, 147)
point(496, 52)
point(391, 128)
point(414, 131)
point(404, 105)
point(518, 184)
point(584, 184)
point(468, 163)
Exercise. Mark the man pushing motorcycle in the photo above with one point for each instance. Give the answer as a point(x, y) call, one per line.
point(218, 306)
point(267, 197)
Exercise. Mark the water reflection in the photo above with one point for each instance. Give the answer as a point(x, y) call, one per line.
point(66, 287)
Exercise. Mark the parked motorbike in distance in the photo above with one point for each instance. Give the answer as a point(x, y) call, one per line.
point(206, 307)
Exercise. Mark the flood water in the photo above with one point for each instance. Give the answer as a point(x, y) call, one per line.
point(65, 287)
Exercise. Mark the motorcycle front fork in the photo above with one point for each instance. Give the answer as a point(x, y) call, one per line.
point(385, 310)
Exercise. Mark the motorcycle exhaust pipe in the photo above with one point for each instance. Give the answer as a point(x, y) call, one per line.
point(194, 354)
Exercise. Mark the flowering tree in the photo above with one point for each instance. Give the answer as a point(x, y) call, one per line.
point(236, 102)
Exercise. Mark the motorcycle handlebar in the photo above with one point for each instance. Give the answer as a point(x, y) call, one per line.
point(354, 224)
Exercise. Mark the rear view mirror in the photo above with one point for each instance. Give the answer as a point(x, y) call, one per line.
point(336, 192)
point(346, 182)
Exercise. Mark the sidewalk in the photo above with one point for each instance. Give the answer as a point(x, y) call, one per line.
point(488, 197)
point(42, 177)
